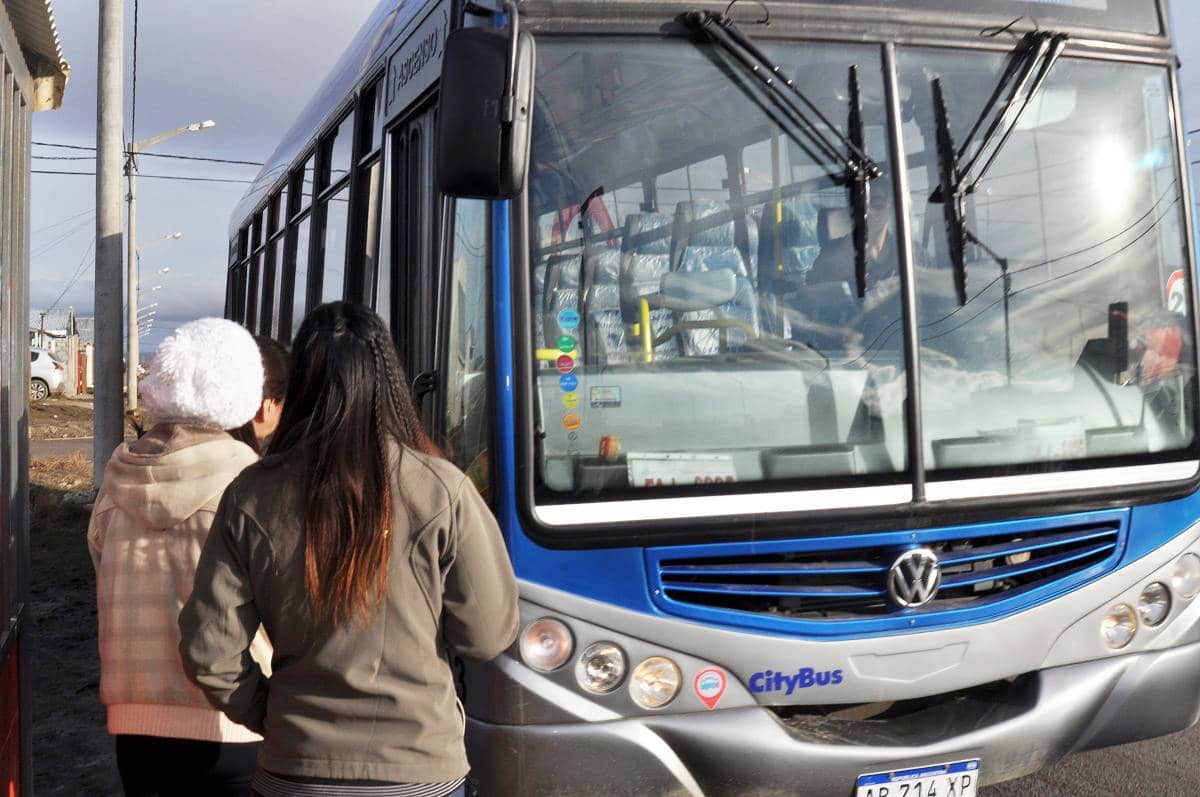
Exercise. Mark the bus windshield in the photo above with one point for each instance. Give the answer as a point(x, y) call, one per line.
point(701, 313)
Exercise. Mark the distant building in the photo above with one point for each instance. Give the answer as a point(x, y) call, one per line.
point(50, 329)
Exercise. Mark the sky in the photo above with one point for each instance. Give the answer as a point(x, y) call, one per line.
point(250, 65)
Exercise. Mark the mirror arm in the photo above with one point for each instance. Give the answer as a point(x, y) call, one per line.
point(508, 111)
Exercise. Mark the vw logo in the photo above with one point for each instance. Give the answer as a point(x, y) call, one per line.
point(914, 578)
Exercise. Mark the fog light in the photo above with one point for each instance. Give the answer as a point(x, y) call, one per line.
point(654, 682)
point(1186, 578)
point(546, 644)
point(1154, 604)
point(1119, 626)
point(601, 668)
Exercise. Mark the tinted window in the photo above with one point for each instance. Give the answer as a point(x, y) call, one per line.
point(713, 331)
point(1067, 345)
point(467, 428)
point(341, 148)
point(300, 283)
point(333, 280)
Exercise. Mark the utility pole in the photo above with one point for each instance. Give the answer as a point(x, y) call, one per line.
point(109, 416)
point(131, 286)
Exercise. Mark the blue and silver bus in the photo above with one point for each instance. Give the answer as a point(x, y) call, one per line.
point(830, 368)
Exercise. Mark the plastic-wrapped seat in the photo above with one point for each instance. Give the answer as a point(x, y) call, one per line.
point(788, 245)
point(703, 245)
point(606, 332)
point(645, 258)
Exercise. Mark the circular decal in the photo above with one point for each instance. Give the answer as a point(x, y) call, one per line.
point(565, 364)
point(1177, 293)
point(568, 318)
point(573, 436)
point(709, 685)
point(571, 422)
point(568, 382)
point(566, 343)
point(570, 400)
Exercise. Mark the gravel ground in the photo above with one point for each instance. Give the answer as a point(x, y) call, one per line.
point(72, 751)
point(60, 418)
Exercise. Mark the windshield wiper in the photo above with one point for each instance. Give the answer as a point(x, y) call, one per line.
point(848, 152)
point(1026, 73)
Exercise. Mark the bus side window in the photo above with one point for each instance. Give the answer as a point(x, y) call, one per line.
point(468, 422)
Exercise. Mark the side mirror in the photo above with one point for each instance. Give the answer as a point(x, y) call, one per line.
point(485, 110)
point(686, 291)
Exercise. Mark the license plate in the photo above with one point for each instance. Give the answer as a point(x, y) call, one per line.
point(959, 779)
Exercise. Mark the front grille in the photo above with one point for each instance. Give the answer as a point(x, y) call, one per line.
point(809, 582)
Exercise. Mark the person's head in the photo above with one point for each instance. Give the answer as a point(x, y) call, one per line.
point(348, 413)
point(208, 373)
point(257, 432)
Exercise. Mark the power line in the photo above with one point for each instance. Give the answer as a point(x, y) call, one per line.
point(63, 157)
point(83, 262)
point(63, 146)
point(156, 155)
point(72, 217)
point(198, 158)
point(62, 237)
point(153, 177)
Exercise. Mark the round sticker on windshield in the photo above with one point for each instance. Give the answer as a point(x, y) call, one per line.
point(571, 422)
point(565, 364)
point(570, 400)
point(568, 318)
point(1177, 293)
point(568, 382)
point(566, 343)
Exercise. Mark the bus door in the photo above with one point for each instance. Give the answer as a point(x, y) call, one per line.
point(415, 224)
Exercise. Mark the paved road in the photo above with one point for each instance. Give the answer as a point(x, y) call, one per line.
point(60, 448)
point(1166, 766)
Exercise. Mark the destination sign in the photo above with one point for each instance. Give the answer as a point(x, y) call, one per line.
point(417, 62)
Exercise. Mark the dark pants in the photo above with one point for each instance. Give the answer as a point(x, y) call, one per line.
point(153, 766)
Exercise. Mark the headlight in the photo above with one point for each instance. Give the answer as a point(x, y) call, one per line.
point(1118, 626)
point(546, 644)
point(601, 668)
point(654, 682)
point(1154, 604)
point(1186, 578)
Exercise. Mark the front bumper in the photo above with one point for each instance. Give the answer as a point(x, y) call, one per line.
point(749, 750)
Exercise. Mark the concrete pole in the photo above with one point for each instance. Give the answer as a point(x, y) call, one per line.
point(109, 411)
point(131, 287)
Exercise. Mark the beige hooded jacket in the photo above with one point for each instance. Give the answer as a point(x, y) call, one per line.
point(150, 521)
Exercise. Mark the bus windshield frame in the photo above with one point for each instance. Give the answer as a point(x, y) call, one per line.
point(895, 490)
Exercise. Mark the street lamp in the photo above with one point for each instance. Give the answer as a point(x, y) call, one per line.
point(131, 265)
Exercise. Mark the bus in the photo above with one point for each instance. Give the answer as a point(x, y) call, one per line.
point(830, 368)
point(34, 77)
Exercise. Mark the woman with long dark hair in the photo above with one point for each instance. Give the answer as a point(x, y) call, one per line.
point(364, 555)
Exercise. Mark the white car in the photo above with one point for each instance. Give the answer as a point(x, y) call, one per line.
point(46, 374)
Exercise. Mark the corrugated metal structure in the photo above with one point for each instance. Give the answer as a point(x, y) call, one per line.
point(34, 76)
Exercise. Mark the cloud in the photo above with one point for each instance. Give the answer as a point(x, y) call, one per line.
point(249, 66)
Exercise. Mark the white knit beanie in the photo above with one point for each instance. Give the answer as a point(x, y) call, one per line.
point(207, 372)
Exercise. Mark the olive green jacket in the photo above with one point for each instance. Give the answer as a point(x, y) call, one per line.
point(369, 700)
